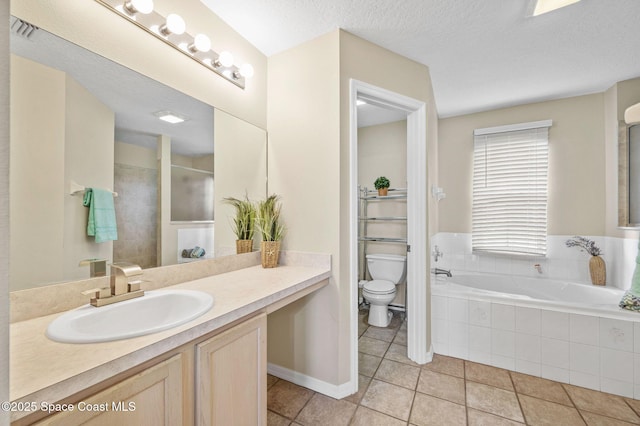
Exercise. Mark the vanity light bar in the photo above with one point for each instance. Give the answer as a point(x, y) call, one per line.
point(172, 30)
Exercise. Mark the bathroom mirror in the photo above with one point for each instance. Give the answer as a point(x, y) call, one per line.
point(82, 119)
point(629, 175)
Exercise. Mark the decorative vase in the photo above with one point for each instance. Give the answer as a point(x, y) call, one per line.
point(383, 192)
point(270, 252)
point(244, 246)
point(598, 270)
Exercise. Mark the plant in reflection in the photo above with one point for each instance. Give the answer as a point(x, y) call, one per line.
point(245, 219)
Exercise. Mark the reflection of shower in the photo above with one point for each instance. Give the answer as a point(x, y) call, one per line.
point(191, 194)
point(136, 213)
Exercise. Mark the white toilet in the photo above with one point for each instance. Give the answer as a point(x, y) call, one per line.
point(387, 270)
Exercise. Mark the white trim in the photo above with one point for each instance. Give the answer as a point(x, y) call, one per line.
point(334, 391)
point(513, 127)
point(417, 258)
point(353, 234)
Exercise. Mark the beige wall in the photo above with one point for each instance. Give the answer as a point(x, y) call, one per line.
point(240, 168)
point(71, 141)
point(134, 155)
point(88, 160)
point(304, 168)
point(37, 209)
point(576, 163)
point(309, 161)
point(4, 208)
point(372, 64)
point(94, 27)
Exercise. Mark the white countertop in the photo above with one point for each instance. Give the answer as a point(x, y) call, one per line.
point(42, 370)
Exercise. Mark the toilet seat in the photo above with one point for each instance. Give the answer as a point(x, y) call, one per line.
point(379, 287)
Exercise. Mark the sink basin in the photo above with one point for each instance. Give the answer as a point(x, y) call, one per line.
point(155, 311)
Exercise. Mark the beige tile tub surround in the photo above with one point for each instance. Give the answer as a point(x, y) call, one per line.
point(43, 370)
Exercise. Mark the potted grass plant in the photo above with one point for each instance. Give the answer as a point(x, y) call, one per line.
point(244, 223)
point(382, 185)
point(270, 229)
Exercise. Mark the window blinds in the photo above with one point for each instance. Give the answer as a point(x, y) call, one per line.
point(510, 190)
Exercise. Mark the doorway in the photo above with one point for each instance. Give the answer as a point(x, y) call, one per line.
point(417, 252)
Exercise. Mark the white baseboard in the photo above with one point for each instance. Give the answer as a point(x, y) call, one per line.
point(328, 389)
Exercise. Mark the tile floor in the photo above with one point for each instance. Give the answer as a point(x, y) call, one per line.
point(448, 391)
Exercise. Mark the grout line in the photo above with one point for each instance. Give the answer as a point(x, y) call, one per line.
point(515, 391)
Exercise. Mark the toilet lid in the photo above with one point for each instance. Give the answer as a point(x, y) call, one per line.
point(380, 287)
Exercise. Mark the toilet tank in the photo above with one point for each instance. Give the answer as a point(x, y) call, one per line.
point(389, 267)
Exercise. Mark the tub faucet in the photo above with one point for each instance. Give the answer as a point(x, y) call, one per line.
point(121, 287)
point(439, 271)
point(538, 268)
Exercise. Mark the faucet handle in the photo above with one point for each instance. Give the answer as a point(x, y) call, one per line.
point(135, 285)
point(99, 293)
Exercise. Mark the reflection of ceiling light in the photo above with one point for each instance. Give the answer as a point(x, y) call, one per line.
point(360, 102)
point(170, 117)
point(544, 6)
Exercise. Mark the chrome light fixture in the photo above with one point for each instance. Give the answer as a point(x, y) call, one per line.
point(172, 30)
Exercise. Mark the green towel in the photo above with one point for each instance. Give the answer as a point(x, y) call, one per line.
point(102, 215)
point(631, 299)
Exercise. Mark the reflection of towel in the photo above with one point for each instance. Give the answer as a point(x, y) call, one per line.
point(631, 299)
point(102, 215)
point(197, 252)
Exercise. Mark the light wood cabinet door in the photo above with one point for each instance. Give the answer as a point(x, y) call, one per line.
point(231, 376)
point(152, 397)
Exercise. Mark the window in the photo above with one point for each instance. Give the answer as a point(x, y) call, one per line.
point(510, 189)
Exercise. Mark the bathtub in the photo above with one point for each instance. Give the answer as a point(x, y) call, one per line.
point(539, 292)
point(569, 332)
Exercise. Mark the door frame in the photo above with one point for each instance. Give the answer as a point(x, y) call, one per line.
point(417, 219)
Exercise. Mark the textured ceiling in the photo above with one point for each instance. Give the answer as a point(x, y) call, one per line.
point(482, 54)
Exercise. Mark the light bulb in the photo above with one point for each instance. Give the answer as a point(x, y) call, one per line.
point(174, 25)
point(138, 6)
point(246, 70)
point(201, 43)
point(225, 59)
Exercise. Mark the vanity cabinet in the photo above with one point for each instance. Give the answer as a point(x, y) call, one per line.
point(218, 379)
point(153, 396)
point(231, 376)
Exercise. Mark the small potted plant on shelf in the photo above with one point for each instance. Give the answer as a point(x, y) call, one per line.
point(382, 185)
point(271, 230)
point(243, 223)
point(597, 267)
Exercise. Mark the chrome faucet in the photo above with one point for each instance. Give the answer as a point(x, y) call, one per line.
point(439, 271)
point(121, 288)
point(538, 268)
